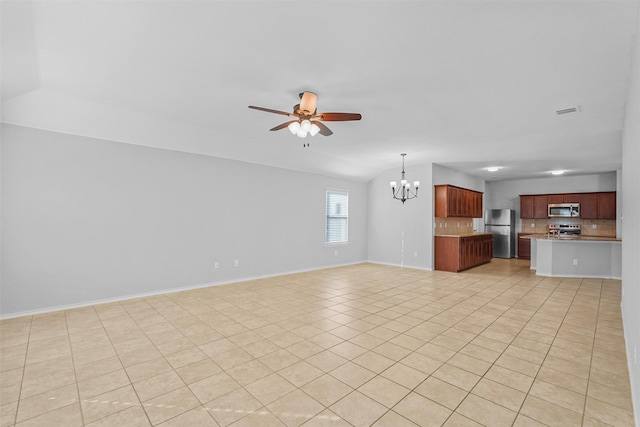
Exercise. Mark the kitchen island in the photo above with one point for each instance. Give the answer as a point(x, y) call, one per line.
point(584, 256)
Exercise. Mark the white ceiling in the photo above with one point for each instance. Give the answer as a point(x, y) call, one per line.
point(466, 84)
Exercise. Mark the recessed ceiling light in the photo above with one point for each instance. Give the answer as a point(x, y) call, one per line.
point(493, 168)
point(558, 172)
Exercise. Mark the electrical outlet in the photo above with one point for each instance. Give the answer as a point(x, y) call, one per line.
point(415, 254)
point(236, 263)
point(575, 262)
point(335, 252)
point(533, 225)
point(458, 224)
point(445, 225)
point(216, 264)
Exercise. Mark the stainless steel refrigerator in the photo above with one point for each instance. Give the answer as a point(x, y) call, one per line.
point(502, 224)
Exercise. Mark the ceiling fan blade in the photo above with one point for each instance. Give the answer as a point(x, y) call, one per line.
point(308, 102)
point(269, 110)
point(324, 130)
point(283, 125)
point(338, 117)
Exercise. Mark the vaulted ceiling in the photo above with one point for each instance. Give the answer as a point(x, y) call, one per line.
point(466, 84)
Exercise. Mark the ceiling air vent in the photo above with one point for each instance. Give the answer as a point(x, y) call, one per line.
point(568, 110)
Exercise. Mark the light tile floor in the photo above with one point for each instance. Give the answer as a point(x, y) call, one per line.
point(350, 346)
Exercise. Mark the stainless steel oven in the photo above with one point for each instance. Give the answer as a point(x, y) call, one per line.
point(564, 210)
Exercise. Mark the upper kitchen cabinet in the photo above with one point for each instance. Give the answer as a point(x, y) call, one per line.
point(555, 198)
point(540, 206)
point(534, 207)
point(598, 205)
point(452, 201)
point(589, 205)
point(607, 205)
point(526, 207)
point(592, 205)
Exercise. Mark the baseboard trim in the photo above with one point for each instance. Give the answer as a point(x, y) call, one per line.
point(400, 265)
point(165, 291)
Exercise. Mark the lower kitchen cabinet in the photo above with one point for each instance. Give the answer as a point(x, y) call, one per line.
point(524, 246)
point(457, 253)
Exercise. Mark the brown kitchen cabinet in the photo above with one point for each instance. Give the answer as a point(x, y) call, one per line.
point(526, 207)
point(555, 198)
point(607, 205)
point(452, 201)
point(534, 206)
point(600, 205)
point(589, 205)
point(456, 253)
point(540, 206)
point(524, 246)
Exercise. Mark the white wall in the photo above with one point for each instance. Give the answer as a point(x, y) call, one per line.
point(86, 220)
point(631, 227)
point(401, 234)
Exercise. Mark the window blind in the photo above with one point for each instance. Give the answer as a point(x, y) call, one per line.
point(337, 210)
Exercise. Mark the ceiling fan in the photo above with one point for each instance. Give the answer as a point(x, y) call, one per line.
point(307, 120)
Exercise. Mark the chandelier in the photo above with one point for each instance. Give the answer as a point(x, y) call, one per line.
point(404, 193)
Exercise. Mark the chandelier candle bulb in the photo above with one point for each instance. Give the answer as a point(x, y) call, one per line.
point(393, 184)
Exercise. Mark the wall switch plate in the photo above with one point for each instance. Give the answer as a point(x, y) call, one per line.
point(594, 226)
point(415, 254)
point(236, 263)
point(533, 226)
point(335, 252)
point(216, 264)
point(575, 262)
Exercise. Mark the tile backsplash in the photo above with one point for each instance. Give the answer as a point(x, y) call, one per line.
point(453, 226)
point(589, 227)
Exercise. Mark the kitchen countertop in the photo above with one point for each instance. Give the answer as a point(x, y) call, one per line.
point(580, 238)
point(475, 233)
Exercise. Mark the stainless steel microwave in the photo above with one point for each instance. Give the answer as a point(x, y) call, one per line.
point(564, 210)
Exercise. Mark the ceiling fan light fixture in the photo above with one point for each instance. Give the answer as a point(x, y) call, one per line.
point(294, 127)
point(314, 129)
point(301, 133)
point(305, 125)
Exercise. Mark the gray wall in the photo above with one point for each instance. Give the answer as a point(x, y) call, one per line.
point(445, 175)
point(88, 220)
point(401, 234)
point(631, 227)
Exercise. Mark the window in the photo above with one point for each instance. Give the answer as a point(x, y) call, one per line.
point(337, 230)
